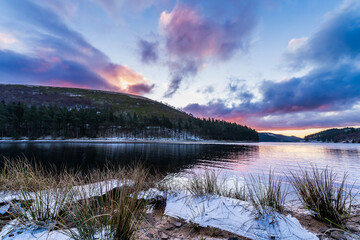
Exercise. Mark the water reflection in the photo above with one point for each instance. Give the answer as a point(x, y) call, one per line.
point(233, 159)
point(163, 157)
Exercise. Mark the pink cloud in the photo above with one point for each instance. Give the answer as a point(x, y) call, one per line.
point(189, 34)
point(125, 79)
point(193, 39)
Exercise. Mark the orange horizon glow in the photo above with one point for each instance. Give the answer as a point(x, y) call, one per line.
point(301, 132)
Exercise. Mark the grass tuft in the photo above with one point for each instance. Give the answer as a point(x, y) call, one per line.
point(266, 193)
point(205, 184)
point(319, 193)
point(98, 204)
point(117, 214)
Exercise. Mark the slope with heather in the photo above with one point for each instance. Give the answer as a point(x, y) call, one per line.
point(36, 112)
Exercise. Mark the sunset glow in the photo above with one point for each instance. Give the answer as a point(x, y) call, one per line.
point(288, 67)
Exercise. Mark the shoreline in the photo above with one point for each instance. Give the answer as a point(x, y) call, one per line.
point(116, 140)
point(156, 140)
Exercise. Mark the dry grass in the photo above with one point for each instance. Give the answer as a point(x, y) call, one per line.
point(205, 184)
point(116, 214)
point(20, 173)
point(108, 207)
point(266, 193)
point(239, 191)
point(99, 203)
point(318, 192)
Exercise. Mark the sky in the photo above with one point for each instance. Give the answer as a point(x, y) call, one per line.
point(283, 66)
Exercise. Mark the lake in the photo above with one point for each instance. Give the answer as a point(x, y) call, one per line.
point(237, 159)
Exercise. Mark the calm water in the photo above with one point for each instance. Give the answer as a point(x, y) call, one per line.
point(233, 159)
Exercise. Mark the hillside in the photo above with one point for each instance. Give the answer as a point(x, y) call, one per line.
point(336, 135)
point(84, 98)
point(36, 112)
point(271, 137)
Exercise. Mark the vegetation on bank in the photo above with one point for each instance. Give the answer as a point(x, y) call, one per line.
point(33, 112)
point(99, 204)
point(109, 204)
point(319, 192)
point(349, 135)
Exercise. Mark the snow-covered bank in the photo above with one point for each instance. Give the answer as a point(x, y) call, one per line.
point(234, 216)
point(224, 213)
point(77, 192)
point(51, 201)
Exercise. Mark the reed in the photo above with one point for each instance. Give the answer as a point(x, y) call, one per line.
point(238, 191)
point(97, 204)
point(205, 184)
point(319, 193)
point(115, 214)
point(266, 193)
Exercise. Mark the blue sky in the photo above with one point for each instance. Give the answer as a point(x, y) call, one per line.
point(275, 65)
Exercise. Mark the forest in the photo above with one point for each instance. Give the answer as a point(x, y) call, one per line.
point(348, 134)
point(19, 120)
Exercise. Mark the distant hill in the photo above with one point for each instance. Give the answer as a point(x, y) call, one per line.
point(271, 137)
point(348, 134)
point(37, 111)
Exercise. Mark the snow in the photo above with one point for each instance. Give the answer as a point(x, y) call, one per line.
point(53, 199)
point(14, 231)
point(77, 192)
point(228, 214)
point(235, 216)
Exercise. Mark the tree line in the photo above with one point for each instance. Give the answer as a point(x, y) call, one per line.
point(17, 120)
point(348, 134)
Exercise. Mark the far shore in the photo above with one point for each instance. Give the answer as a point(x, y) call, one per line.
point(148, 140)
point(121, 140)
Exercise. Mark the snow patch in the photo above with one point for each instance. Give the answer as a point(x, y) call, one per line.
point(235, 216)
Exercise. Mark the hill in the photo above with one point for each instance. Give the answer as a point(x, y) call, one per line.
point(271, 137)
point(348, 134)
point(38, 111)
point(85, 98)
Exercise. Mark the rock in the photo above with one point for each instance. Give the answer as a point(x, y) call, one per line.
point(178, 224)
point(337, 235)
point(353, 228)
point(149, 235)
point(169, 228)
point(163, 236)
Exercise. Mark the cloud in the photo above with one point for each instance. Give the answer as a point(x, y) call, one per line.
point(207, 90)
point(19, 68)
point(179, 71)
point(6, 40)
point(321, 91)
point(188, 34)
point(148, 51)
point(192, 39)
point(305, 120)
point(55, 40)
point(337, 40)
point(65, 9)
point(125, 78)
point(326, 96)
point(140, 88)
point(297, 43)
